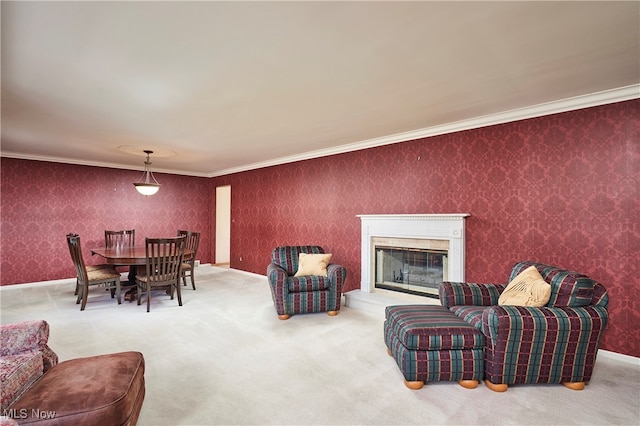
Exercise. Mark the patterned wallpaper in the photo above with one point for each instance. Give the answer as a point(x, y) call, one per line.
point(561, 189)
point(42, 202)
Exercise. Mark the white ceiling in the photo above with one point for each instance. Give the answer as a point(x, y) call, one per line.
point(217, 87)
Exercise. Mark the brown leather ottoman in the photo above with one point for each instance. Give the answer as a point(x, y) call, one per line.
point(98, 390)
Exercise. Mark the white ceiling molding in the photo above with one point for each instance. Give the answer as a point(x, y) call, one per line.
point(77, 162)
point(570, 104)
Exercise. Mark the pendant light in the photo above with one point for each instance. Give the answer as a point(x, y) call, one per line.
point(147, 185)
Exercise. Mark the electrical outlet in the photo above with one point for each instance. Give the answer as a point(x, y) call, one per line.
point(196, 263)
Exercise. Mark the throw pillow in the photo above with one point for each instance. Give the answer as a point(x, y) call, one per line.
point(528, 288)
point(312, 264)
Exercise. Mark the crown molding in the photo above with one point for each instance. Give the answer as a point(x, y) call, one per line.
point(570, 104)
point(21, 156)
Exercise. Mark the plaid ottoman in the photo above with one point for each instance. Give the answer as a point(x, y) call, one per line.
point(430, 343)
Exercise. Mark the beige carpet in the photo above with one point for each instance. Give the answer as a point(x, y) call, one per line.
point(225, 358)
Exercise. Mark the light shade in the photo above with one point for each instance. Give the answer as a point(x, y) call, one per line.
point(147, 185)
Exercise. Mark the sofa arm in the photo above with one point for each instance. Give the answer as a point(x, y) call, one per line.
point(23, 336)
point(456, 293)
point(277, 277)
point(337, 275)
point(541, 345)
point(27, 336)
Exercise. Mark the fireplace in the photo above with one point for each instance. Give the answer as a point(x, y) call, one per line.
point(409, 269)
point(411, 253)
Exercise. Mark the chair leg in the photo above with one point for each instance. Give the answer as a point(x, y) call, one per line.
point(179, 293)
point(148, 297)
point(76, 292)
point(85, 294)
point(193, 280)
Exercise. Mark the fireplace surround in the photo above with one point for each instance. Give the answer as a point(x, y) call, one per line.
point(442, 234)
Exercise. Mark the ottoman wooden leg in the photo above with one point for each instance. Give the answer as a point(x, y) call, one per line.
point(468, 384)
point(414, 385)
point(574, 385)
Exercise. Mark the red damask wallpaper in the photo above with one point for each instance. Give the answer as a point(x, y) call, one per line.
point(42, 202)
point(561, 189)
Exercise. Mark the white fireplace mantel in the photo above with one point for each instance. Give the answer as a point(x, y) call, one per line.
point(443, 227)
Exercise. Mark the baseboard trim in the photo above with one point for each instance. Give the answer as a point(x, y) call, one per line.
point(619, 357)
point(9, 287)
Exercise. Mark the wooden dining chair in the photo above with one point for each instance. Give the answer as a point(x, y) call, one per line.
point(85, 278)
point(123, 238)
point(191, 244)
point(89, 268)
point(163, 267)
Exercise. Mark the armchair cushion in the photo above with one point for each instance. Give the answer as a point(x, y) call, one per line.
point(308, 283)
point(312, 264)
point(528, 288)
point(469, 313)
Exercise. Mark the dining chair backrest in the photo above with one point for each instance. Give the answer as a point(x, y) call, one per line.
point(73, 241)
point(123, 238)
point(191, 244)
point(164, 259)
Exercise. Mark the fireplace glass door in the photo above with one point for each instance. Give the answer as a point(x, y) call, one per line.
point(410, 270)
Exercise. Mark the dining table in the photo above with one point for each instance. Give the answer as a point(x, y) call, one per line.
point(128, 255)
point(131, 256)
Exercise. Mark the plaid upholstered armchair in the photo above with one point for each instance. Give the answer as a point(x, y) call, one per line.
point(555, 343)
point(302, 280)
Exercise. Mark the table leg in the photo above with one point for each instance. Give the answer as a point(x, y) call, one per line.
point(130, 295)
